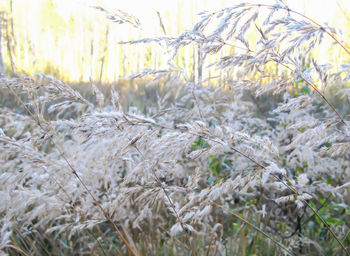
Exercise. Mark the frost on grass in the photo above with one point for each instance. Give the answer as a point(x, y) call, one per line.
point(166, 175)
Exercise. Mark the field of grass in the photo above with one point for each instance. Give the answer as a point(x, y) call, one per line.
point(164, 165)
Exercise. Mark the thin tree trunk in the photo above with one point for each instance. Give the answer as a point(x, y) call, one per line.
point(12, 38)
point(92, 63)
point(11, 20)
point(200, 63)
point(9, 49)
point(193, 76)
point(104, 53)
point(2, 67)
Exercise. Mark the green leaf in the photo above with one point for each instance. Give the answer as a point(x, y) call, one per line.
point(306, 90)
point(327, 144)
point(214, 165)
point(302, 130)
point(199, 143)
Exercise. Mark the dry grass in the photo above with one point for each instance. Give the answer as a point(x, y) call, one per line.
point(200, 172)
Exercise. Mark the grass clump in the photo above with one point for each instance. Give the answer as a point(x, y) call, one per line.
point(200, 170)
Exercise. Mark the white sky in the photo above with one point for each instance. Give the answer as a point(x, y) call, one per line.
point(320, 10)
point(177, 16)
point(323, 10)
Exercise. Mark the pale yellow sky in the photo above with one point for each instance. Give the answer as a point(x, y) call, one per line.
point(145, 10)
point(71, 51)
point(321, 9)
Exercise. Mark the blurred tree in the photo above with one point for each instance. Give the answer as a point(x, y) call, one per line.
point(11, 39)
point(104, 52)
point(7, 33)
point(2, 67)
